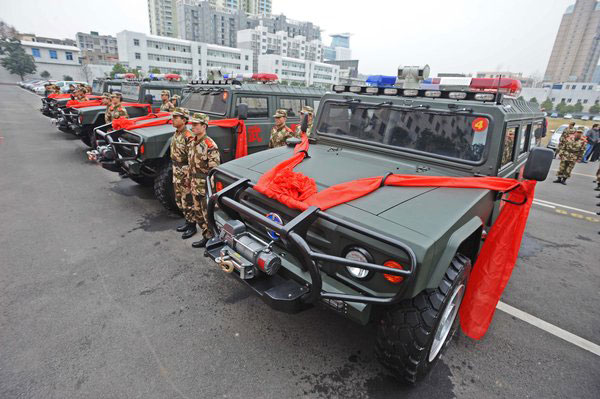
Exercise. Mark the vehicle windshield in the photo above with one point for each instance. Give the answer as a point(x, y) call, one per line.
point(214, 102)
point(130, 91)
point(457, 136)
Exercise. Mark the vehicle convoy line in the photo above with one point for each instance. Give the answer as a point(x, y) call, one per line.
point(550, 328)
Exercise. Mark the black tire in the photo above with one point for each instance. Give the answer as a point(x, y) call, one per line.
point(143, 180)
point(406, 332)
point(163, 188)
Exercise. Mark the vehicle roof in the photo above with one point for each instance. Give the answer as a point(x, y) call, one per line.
point(154, 83)
point(263, 88)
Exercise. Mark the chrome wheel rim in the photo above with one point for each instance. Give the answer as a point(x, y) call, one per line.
point(446, 321)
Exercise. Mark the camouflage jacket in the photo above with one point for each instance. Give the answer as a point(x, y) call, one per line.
point(116, 113)
point(107, 116)
point(507, 152)
point(279, 136)
point(167, 106)
point(179, 147)
point(203, 156)
point(564, 136)
point(299, 131)
point(571, 149)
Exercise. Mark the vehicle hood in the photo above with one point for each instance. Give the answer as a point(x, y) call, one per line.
point(91, 110)
point(422, 209)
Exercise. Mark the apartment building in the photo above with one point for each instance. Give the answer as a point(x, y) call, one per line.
point(188, 58)
point(97, 49)
point(298, 71)
point(163, 17)
point(570, 93)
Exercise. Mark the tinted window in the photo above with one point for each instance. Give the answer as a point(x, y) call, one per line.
point(257, 106)
point(214, 102)
point(157, 92)
point(509, 145)
point(113, 87)
point(419, 130)
point(292, 105)
point(130, 92)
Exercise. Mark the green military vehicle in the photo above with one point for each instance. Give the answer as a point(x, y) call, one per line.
point(399, 257)
point(136, 94)
point(144, 154)
point(52, 107)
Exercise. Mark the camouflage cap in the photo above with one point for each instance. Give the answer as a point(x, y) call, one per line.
point(280, 112)
point(106, 94)
point(167, 92)
point(116, 94)
point(199, 117)
point(307, 110)
point(181, 112)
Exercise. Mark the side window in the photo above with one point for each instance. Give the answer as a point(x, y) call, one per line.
point(316, 105)
point(257, 106)
point(536, 134)
point(292, 105)
point(509, 145)
point(525, 139)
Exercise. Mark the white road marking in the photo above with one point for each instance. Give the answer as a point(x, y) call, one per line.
point(542, 204)
point(539, 201)
point(550, 328)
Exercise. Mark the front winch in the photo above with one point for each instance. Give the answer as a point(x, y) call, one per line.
point(248, 252)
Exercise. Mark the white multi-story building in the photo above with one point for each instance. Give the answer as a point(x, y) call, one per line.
point(260, 41)
point(56, 59)
point(298, 71)
point(252, 7)
point(163, 17)
point(190, 59)
point(570, 93)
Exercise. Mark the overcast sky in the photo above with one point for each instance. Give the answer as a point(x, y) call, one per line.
point(449, 35)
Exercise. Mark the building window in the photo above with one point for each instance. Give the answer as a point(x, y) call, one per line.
point(566, 87)
point(138, 56)
point(553, 99)
point(136, 42)
point(583, 87)
point(246, 58)
point(590, 88)
point(585, 101)
point(69, 56)
point(569, 100)
point(246, 68)
point(35, 52)
point(573, 87)
point(53, 54)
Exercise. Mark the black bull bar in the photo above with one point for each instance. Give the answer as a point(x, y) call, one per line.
point(293, 237)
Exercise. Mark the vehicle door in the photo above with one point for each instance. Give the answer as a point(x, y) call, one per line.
point(260, 120)
point(293, 106)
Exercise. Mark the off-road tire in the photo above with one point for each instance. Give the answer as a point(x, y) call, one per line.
point(163, 188)
point(405, 333)
point(143, 180)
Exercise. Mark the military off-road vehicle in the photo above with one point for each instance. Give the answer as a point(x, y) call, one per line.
point(143, 154)
point(399, 257)
point(51, 107)
point(83, 121)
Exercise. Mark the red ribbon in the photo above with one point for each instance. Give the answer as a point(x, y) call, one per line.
point(241, 148)
point(83, 104)
point(55, 95)
point(134, 123)
point(498, 254)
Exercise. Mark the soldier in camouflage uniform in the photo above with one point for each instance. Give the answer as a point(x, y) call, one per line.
point(106, 101)
point(117, 110)
point(175, 100)
point(566, 133)
point(570, 151)
point(181, 179)
point(203, 156)
point(306, 110)
point(280, 132)
point(509, 141)
point(166, 104)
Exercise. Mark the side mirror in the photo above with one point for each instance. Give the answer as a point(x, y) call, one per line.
point(538, 164)
point(242, 111)
point(304, 123)
point(149, 98)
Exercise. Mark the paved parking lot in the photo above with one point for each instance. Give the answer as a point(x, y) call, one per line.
point(100, 298)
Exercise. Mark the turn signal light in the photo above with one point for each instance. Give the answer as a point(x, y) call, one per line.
point(219, 186)
point(390, 277)
point(142, 149)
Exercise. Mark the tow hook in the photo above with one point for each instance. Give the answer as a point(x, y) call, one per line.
point(92, 155)
point(225, 263)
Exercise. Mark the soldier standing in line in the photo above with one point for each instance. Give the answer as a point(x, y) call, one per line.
point(106, 101)
point(203, 157)
point(280, 132)
point(181, 179)
point(117, 110)
point(570, 151)
point(566, 133)
point(306, 110)
point(175, 100)
point(166, 104)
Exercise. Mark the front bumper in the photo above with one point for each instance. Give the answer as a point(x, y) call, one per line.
point(299, 282)
point(116, 154)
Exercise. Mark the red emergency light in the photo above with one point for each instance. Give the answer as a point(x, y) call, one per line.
point(173, 76)
point(511, 87)
point(265, 77)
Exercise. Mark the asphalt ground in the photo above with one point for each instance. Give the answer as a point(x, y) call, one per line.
point(100, 298)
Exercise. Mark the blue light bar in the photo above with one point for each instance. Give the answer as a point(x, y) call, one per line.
point(381, 80)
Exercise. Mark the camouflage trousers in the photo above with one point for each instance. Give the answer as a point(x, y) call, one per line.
point(565, 168)
point(198, 188)
point(183, 193)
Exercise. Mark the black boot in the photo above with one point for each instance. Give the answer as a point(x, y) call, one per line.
point(598, 196)
point(564, 181)
point(558, 180)
point(597, 188)
point(184, 226)
point(201, 243)
point(189, 232)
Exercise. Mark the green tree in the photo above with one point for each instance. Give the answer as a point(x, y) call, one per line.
point(67, 77)
point(45, 74)
point(562, 107)
point(533, 100)
point(155, 70)
point(595, 109)
point(547, 105)
point(16, 61)
point(117, 68)
point(578, 107)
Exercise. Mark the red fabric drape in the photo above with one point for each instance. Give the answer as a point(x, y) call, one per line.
point(498, 254)
point(241, 148)
point(83, 104)
point(54, 95)
point(139, 122)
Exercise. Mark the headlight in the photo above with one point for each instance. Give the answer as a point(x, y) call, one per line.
point(360, 255)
